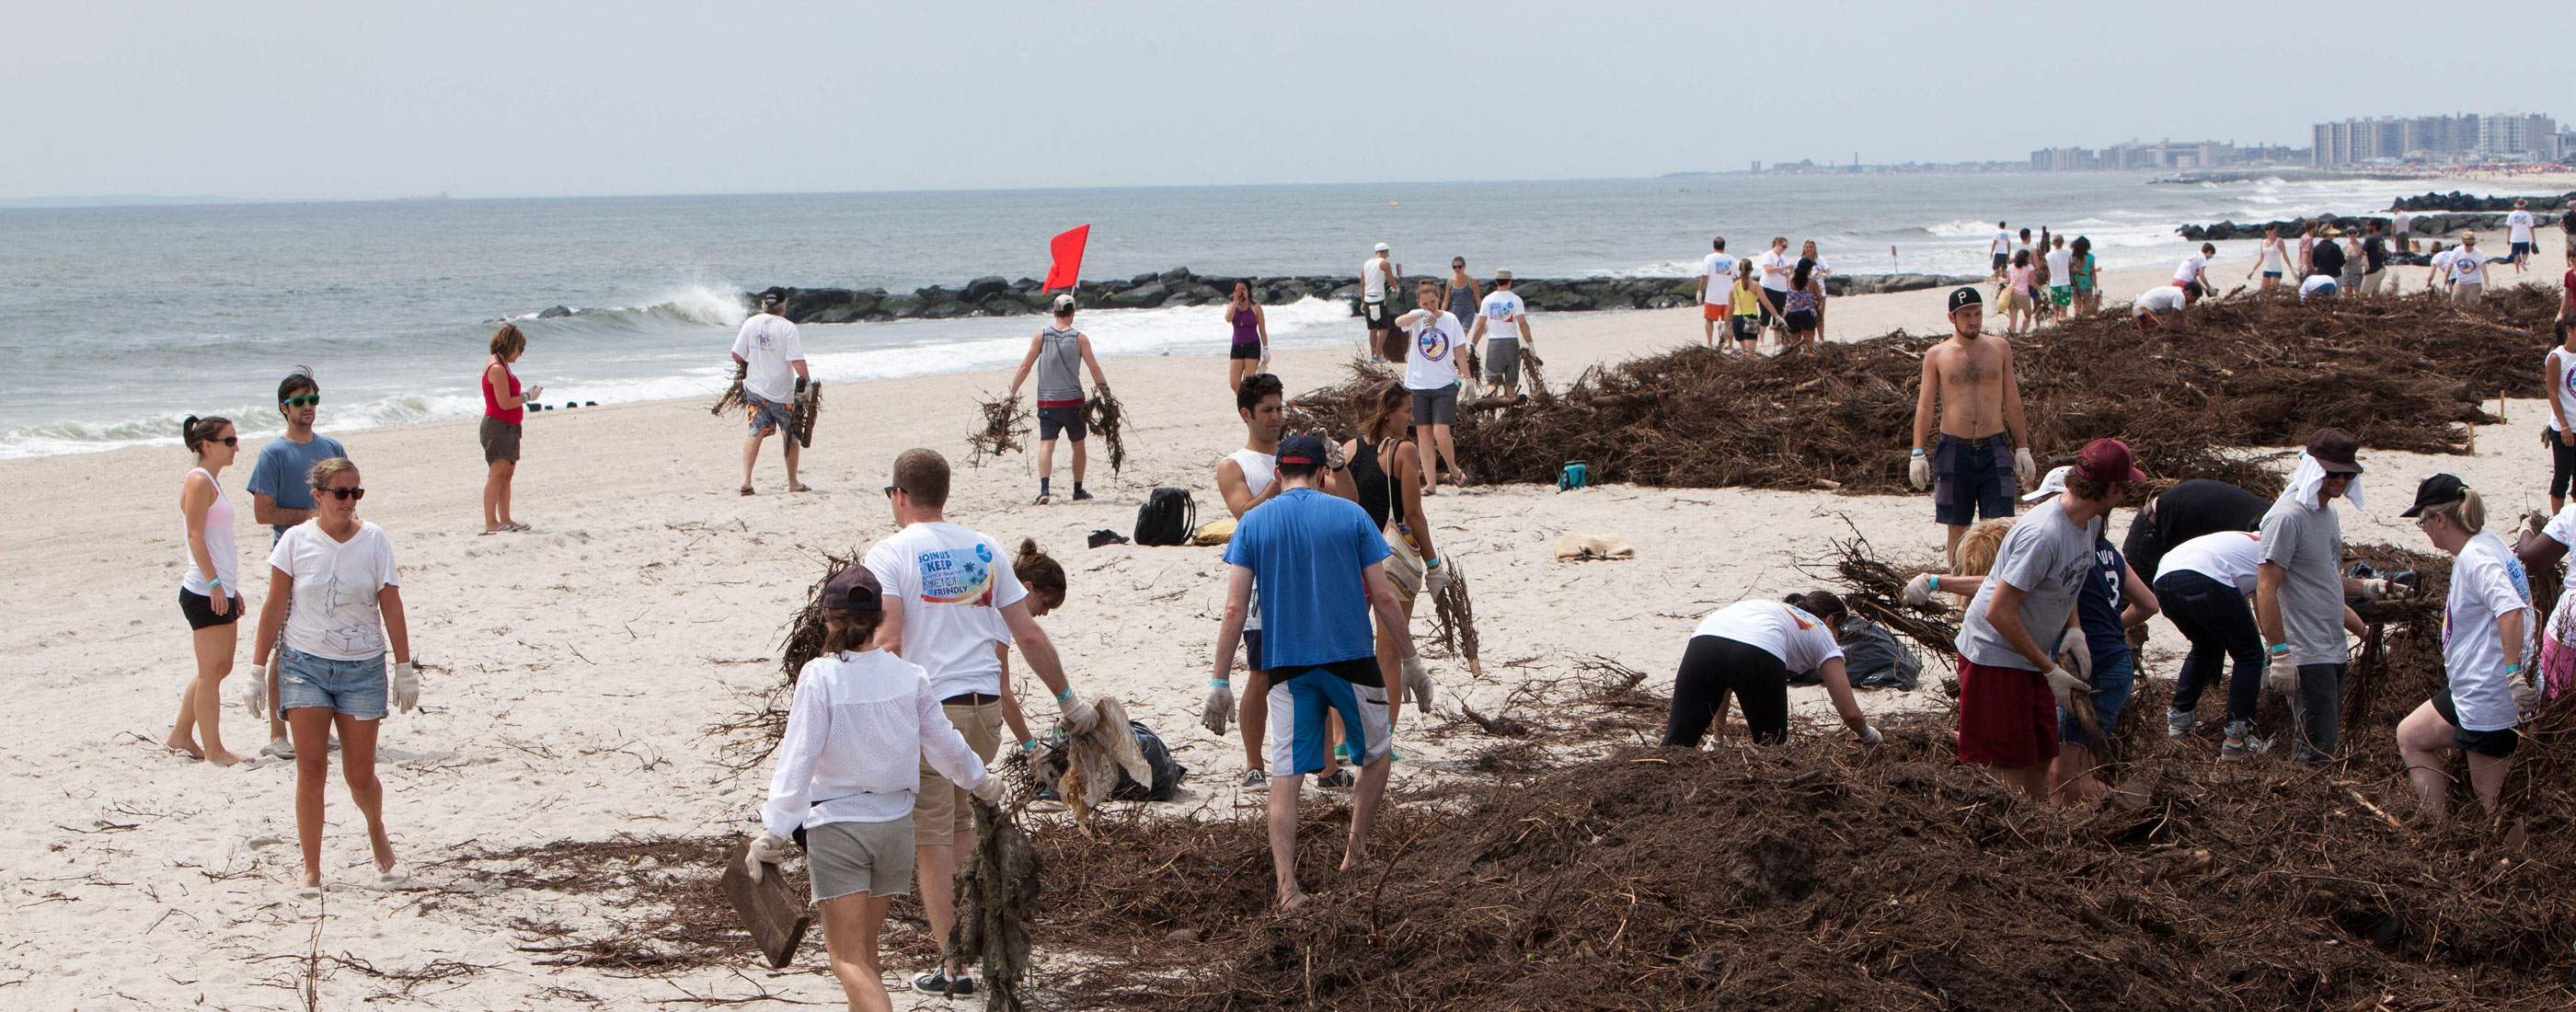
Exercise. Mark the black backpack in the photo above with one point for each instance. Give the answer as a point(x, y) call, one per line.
point(1167, 518)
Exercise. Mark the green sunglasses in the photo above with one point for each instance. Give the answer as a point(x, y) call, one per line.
point(305, 401)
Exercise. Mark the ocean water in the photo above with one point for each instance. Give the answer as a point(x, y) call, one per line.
point(116, 322)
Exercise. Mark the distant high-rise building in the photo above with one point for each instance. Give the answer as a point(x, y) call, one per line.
point(2466, 136)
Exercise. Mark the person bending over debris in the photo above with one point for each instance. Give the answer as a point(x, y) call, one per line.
point(2486, 644)
point(861, 721)
point(950, 598)
point(2113, 602)
point(2207, 588)
point(1319, 568)
point(2006, 677)
point(1970, 378)
point(1749, 649)
point(2161, 308)
point(2186, 511)
point(2299, 592)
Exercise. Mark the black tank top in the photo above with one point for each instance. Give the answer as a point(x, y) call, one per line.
point(1376, 489)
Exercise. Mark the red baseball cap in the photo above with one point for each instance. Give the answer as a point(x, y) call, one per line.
point(2108, 460)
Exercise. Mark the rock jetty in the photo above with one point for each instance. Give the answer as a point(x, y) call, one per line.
point(2436, 214)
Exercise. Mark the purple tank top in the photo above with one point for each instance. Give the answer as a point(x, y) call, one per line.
point(1246, 325)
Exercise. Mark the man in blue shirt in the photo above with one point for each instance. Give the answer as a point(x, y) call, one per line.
point(281, 496)
point(1318, 564)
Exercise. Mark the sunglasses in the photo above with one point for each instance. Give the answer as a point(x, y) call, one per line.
point(341, 493)
point(227, 440)
point(305, 401)
point(889, 491)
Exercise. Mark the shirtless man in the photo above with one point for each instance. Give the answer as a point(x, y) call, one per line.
point(1971, 377)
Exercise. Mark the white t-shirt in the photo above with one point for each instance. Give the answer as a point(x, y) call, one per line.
point(2402, 221)
point(2487, 583)
point(2441, 263)
point(1719, 269)
point(1436, 337)
point(1800, 640)
point(2168, 299)
point(2190, 270)
point(2562, 529)
point(2518, 226)
point(2314, 282)
point(1783, 263)
point(769, 342)
point(335, 613)
point(1373, 279)
point(2061, 267)
point(2468, 267)
point(2566, 392)
point(2003, 242)
point(2229, 557)
point(953, 584)
point(1503, 309)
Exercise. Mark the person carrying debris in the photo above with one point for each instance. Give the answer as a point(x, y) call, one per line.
point(2300, 589)
point(2113, 602)
point(950, 597)
point(861, 721)
point(1319, 567)
point(1970, 378)
point(769, 360)
point(1749, 649)
point(1059, 352)
point(2486, 649)
point(2006, 676)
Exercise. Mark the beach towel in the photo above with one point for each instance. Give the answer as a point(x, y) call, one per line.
point(1583, 547)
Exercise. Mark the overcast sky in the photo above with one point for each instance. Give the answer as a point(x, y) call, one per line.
point(353, 99)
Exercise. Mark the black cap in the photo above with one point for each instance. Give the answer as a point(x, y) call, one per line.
point(774, 292)
point(1964, 296)
point(1305, 451)
point(2334, 449)
point(2438, 490)
point(855, 589)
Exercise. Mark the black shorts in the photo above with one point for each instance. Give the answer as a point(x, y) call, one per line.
point(1800, 320)
point(200, 610)
point(2498, 744)
point(1378, 315)
point(1747, 328)
point(1713, 668)
point(1245, 351)
point(1063, 418)
point(2001, 259)
point(1770, 316)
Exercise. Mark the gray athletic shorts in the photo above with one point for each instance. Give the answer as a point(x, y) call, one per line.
point(1436, 407)
point(859, 857)
point(1503, 361)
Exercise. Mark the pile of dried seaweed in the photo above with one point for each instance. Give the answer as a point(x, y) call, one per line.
point(1006, 424)
point(1107, 419)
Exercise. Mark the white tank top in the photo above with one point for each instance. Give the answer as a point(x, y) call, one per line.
point(219, 545)
point(2273, 258)
point(2566, 392)
point(1259, 469)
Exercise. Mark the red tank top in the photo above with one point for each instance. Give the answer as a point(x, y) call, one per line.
point(492, 403)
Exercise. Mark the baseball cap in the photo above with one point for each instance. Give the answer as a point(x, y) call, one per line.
point(2334, 449)
point(1965, 296)
point(1381, 247)
point(1502, 274)
point(2438, 490)
point(2108, 460)
point(2051, 485)
point(853, 588)
point(774, 292)
point(1305, 451)
point(1064, 303)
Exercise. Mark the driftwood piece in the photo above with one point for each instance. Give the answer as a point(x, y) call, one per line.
point(771, 910)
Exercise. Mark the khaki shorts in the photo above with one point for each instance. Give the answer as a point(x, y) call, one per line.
point(875, 858)
point(939, 809)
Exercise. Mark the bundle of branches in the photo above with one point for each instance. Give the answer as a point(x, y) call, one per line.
point(2250, 373)
point(749, 736)
point(1455, 620)
point(731, 399)
point(1005, 424)
point(1875, 591)
point(1106, 418)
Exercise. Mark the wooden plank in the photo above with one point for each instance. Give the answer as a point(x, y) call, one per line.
point(770, 909)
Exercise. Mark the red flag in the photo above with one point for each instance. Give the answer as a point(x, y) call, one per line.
point(1066, 271)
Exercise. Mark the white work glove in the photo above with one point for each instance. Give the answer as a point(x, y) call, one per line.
point(1869, 736)
point(2075, 654)
point(2066, 687)
point(1078, 714)
point(765, 850)
point(1334, 458)
point(1220, 708)
point(1417, 684)
point(1436, 578)
point(531, 393)
point(2526, 696)
point(1918, 591)
point(2373, 589)
point(254, 696)
point(406, 686)
point(992, 790)
point(2281, 674)
point(2023, 468)
point(1919, 471)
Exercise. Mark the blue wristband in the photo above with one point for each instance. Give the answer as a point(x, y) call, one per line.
point(2513, 669)
point(1065, 695)
point(2280, 648)
point(1219, 683)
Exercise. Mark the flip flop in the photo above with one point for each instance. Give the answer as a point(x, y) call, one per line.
point(746, 490)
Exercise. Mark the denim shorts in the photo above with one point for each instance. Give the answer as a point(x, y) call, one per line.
point(2112, 684)
point(1970, 481)
point(356, 688)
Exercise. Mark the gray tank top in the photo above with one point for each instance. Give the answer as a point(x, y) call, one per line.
point(1059, 367)
point(1462, 304)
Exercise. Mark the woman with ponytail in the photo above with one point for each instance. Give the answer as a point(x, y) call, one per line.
point(210, 593)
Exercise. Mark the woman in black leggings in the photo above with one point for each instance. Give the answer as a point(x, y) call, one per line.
point(1749, 649)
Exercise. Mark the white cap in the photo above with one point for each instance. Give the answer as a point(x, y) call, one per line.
point(1381, 247)
point(1064, 303)
point(2051, 485)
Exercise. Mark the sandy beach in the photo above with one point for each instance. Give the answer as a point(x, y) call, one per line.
point(576, 667)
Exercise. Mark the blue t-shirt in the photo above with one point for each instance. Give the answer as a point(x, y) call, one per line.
point(2097, 607)
point(284, 472)
point(1309, 554)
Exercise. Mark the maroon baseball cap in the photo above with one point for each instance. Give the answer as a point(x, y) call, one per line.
point(2108, 460)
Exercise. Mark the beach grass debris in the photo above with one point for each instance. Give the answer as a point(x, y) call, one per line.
point(1107, 418)
point(1006, 427)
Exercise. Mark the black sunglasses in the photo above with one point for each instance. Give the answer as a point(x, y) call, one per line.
point(305, 401)
point(342, 493)
point(889, 491)
point(227, 440)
